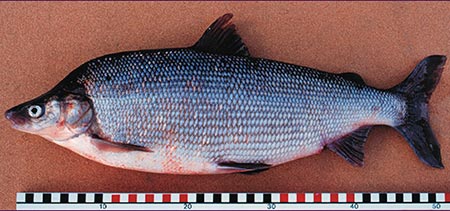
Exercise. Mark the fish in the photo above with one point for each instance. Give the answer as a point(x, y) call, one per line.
point(212, 108)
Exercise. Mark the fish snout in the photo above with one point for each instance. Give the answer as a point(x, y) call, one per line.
point(13, 116)
point(9, 114)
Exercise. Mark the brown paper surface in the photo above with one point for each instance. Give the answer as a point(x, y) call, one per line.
point(41, 42)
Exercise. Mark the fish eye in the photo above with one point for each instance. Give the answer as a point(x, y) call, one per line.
point(35, 111)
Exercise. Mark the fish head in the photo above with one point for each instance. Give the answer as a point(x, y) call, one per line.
point(55, 117)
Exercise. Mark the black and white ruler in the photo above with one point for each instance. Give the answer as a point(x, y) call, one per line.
point(233, 201)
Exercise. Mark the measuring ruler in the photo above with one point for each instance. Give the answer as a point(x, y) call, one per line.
point(233, 201)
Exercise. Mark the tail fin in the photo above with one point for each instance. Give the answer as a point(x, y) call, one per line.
point(416, 90)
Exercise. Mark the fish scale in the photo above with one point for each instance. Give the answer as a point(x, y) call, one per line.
point(227, 107)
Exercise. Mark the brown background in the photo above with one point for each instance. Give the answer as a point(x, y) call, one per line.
point(40, 43)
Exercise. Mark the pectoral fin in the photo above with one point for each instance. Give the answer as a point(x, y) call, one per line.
point(109, 146)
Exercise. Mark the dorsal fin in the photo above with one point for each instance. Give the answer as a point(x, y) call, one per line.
point(351, 146)
point(353, 77)
point(221, 38)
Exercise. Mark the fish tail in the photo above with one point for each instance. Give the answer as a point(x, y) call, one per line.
point(416, 90)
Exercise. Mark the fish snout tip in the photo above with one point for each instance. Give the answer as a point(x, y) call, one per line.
point(12, 116)
point(9, 114)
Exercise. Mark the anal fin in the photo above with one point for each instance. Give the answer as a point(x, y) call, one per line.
point(351, 146)
point(245, 168)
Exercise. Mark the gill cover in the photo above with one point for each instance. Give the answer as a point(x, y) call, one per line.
point(77, 113)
